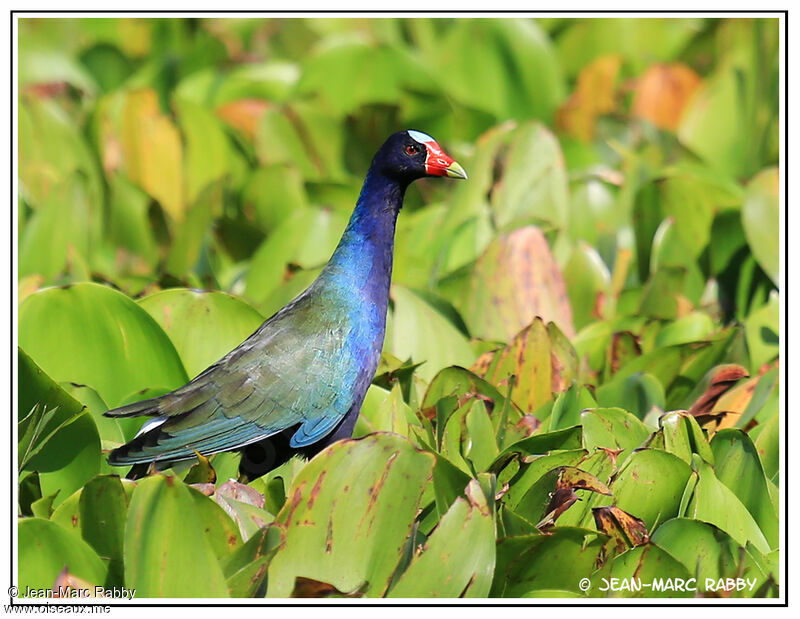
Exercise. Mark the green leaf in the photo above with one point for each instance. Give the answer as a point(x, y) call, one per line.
point(704, 550)
point(715, 503)
point(532, 562)
point(760, 221)
point(225, 321)
point(206, 158)
point(512, 73)
point(45, 549)
point(612, 428)
point(58, 438)
point(319, 229)
point(739, 468)
point(644, 564)
point(650, 485)
point(246, 567)
point(684, 437)
point(458, 558)
point(103, 508)
point(588, 285)
point(122, 349)
point(164, 529)
point(423, 334)
point(348, 514)
point(761, 332)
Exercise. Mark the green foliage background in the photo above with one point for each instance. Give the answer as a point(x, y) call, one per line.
point(609, 275)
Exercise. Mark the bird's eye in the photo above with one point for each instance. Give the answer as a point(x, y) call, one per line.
point(412, 149)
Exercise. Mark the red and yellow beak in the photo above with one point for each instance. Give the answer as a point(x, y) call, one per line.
point(438, 163)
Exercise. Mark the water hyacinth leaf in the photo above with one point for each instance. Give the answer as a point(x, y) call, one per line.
point(534, 184)
point(122, 348)
point(225, 320)
point(103, 508)
point(220, 531)
point(767, 445)
point(449, 482)
point(384, 411)
point(704, 550)
point(45, 549)
point(761, 331)
point(524, 563)
point(760, 220)
point(553, 493)
point(540, 444)
point(61, 232)
point(422, 333)
point(694, 327)
point(738, 466)
point(644, 564)
point(593, 96)
point(540, 358)
point(515, 281)
point(152, 152)
point(206, 157)
point(129, 225)
point(715, 503)
point(52, 150)
point(705, 396)
point(627, 37)
point(458, 558)
point(375, 75)
point(639, 393)
point(164, 528)
point(245, 507)
point(588, 282)
point(748, 400)
point(662, 93)
point(481, 79)
point(612, 428)
point(335, 515)
point(246, 567)
point(568, 406)
point(650, 485)
point(271, 265)
point(627, 531)
point(274, 193)
point(58, 437)
point(684, 437)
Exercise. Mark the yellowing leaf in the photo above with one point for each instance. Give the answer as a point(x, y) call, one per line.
point(515, 281)
point(152, 151)
point(243, 115)
point(592, 97)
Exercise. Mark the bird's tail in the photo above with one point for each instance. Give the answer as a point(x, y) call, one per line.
point(137, 409)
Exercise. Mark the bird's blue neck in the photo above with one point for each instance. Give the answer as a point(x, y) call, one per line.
point(363, 259)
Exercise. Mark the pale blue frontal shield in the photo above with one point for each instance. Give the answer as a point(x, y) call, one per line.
point(420, 137)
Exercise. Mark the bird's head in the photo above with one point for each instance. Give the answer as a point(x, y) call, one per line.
point(409, 155)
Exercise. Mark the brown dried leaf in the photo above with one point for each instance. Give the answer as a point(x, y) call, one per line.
point(310, 588)
point(662, 94)
point(626, 530)
point(725, 377)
